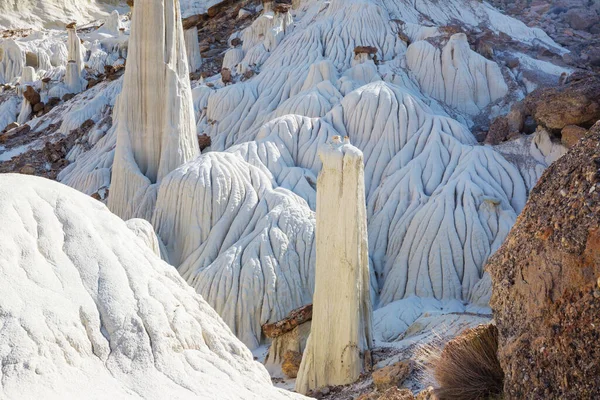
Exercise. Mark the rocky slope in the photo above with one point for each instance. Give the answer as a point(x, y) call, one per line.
point(546, 289)
point(575, 24)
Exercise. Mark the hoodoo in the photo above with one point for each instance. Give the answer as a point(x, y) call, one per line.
point(192, 49)
point(26, 106)
point(73, 81)
point(12, 63)
point(154, 115)
point(74, 47)
point(113, 23)
point(341, 328)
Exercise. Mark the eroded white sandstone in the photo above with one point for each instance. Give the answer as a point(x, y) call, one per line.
point(88, 310)
point(238, 221)
point(192, 48)
point(154, 114)
point(341, 330)
point(456, 74)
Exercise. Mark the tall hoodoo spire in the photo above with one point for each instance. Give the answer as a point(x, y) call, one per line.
point(341, 327)
point(74, 46)
point(193, 49)
point(154, 115)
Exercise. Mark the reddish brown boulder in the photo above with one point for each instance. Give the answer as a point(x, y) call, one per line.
point(571, 134)
point(235, 42)
point(17, 130)
point(507, 126)
point(546, 294)
point(581, 18)
point(512, 62)
point(204, 141)
point(498, 131)
point(11, 126)
point(38, 107)
point(391, 376)
point(575, 103)
point(93, 82)
point(52, 101)
point(281, 8)
point(32, 96)
point(226, 75)
point(28, 169)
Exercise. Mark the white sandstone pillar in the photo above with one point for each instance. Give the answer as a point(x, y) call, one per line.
point(74, 47)
point(73, 80)
point(192, 48)
point(113, 23)
point(341, 325)
point(28, 75)
point(154, 114)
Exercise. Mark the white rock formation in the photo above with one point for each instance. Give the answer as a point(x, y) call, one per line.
point(241, 242)
point(25, 112)
point(74, 83)
point(88, 310)
point(13, 61)
point(341, 330)
point(113, 23)
point(154, 115)
point(233, 57)
point(456, 75)
point(470, 14)
point(144, 230)
point(192, 49)
point(28, 75)
point(74, 48)
point(294, 340)
point(237, 222)
point(410, 153)
point(27, 78)
point(196, 7)
point(532, 154)
point(8, 112)
point(49, 14)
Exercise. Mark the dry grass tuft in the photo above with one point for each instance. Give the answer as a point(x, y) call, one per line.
point(467, 367)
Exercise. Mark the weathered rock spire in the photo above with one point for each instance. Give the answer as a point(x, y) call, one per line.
point(154, 115)
point(341, 328)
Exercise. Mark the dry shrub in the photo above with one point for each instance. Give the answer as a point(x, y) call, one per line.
point(467, 368)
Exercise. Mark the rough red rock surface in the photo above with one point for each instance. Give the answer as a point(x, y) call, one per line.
point(295, 318)
point(576, 103)
point(546, 294)
point(571, 134)
point(392, 375)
